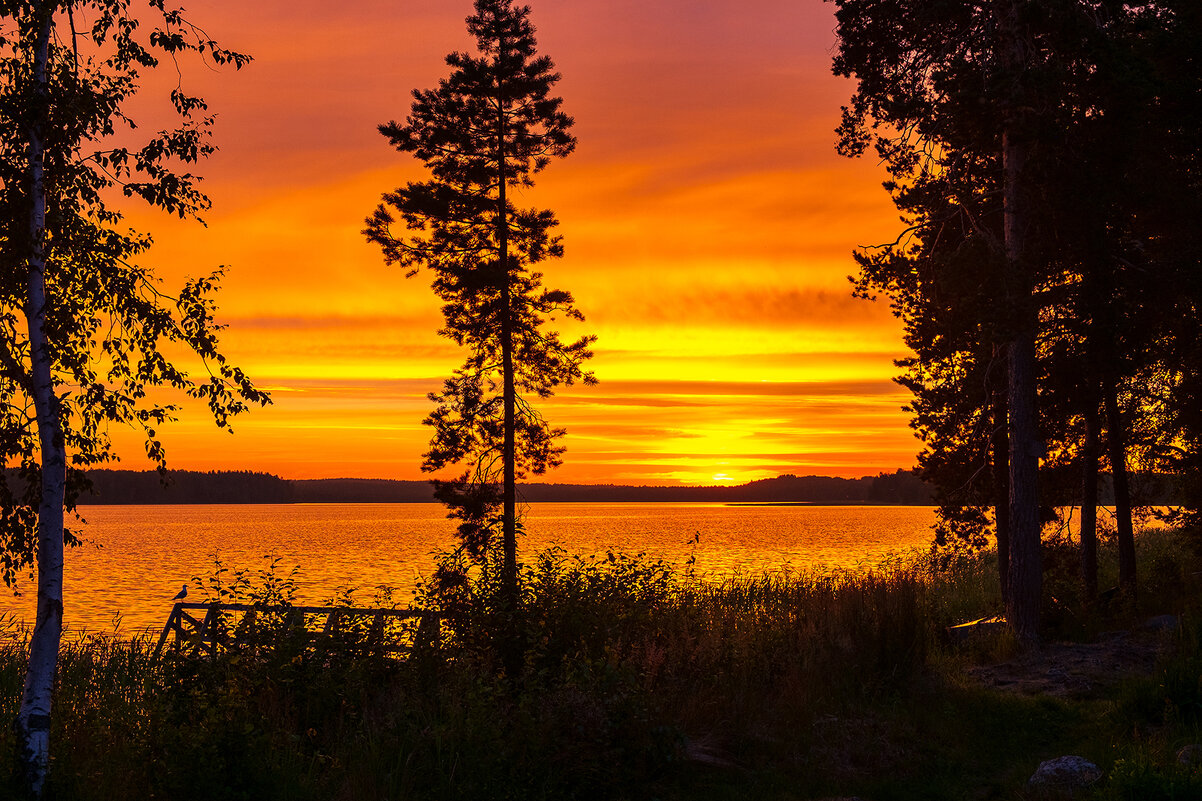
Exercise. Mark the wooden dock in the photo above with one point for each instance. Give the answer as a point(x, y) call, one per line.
point(204, 629)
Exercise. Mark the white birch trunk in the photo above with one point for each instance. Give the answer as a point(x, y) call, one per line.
point(33, 719)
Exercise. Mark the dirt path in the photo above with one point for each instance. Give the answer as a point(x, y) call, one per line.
point(1078, 670)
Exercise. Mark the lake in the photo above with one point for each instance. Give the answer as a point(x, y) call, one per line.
point(137, 557)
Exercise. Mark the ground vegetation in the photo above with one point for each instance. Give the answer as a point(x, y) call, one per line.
point(645, 681)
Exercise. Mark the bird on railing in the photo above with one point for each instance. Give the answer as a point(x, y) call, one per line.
point(182, 594)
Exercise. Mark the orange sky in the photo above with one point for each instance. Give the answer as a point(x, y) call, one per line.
point(708, 225)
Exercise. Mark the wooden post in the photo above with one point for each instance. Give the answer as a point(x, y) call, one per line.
point(172, 621)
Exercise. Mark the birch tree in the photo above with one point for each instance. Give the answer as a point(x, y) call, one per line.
point(486, 130)
point(87, 327)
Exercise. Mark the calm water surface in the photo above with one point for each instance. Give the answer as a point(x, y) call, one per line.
point(138, 556)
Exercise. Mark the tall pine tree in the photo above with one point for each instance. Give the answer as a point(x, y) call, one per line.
point(487, 129)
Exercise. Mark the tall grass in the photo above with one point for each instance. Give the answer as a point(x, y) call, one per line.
point(640, 681)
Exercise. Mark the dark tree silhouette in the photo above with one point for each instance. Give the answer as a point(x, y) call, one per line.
point(1112, 297)
point(1166, 177)
point(487, 129)
point(1044, 224)
point(86, 327)
point(943, 282)
point(1013, 49)
point(945, 88)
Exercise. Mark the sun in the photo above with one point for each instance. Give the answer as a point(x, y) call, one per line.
point(716, 477)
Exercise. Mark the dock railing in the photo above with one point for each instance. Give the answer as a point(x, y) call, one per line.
point(204, 629)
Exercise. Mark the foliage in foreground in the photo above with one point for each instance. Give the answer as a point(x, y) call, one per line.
point(640, 682)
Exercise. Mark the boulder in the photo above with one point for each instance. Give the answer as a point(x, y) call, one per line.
point(1190, 756)
point(1161, 623)
point(1065, 774)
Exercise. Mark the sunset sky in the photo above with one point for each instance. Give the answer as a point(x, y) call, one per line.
point(707, 221)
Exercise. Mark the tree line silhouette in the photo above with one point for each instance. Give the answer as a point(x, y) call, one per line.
point(193, 487)
point(901, 487)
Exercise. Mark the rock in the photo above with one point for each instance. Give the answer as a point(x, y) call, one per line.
point(1160, 623)
point(1190, 756)
point(1066, 773)
point(705, 753)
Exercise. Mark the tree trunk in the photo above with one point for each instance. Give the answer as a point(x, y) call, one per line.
point(509, 454)
point(1000, 446)
point(1116, 440)
point(1025, 571)
point(512, 648)
point(33, 718)
point(1089, 500)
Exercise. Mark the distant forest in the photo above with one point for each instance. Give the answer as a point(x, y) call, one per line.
point(133, 487)
point(902, 487)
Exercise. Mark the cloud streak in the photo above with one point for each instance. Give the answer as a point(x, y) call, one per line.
point(707, 221)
